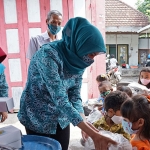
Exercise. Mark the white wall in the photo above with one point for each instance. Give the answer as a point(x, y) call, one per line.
point(144, 43)
point(131, 40)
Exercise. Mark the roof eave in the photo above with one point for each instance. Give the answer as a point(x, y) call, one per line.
point(145, 29)
point(125, 29)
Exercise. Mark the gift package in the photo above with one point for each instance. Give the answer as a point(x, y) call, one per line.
point(10, 138)
point(6, 104)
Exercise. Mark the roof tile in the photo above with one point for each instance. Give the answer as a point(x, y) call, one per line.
point(119, 13)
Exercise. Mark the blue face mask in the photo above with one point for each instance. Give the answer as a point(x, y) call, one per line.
point(54, 29)
point(88, 60)
point(127, 126)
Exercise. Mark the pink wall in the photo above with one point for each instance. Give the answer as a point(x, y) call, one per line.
point(95, 13)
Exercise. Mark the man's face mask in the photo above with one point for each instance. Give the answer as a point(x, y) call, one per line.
point(54, 29)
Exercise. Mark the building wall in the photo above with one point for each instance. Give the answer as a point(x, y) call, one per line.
point(144, 43)
point(131, 40)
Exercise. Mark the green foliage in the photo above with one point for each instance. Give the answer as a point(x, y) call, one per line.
point(144, 7)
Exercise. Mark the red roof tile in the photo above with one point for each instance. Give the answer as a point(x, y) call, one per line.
point(121, 14)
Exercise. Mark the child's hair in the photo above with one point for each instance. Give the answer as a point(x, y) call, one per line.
point(114, 100)
point(145, 69)
point(125, 89)
point(138, 107)
point(101, 77)
point(107, 83)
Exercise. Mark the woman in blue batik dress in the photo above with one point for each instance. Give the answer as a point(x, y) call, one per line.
point(51, 99)
point(3, 83)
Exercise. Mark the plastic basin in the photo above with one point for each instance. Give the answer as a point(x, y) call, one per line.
point(33, 142)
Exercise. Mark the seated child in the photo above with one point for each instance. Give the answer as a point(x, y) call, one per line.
point(144, 77)
point(111, 121)
point(125, 89)
point(100, 78)
point(104, 89)
point(136, 114)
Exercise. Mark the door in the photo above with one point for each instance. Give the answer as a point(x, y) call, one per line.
point(111, 49)
point(21, 19)
point(143, 56)
point(122, 54)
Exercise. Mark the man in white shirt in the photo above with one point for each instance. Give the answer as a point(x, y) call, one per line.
point(53, 21)
point(113, 61)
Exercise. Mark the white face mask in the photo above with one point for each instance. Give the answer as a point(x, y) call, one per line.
point(117, 119)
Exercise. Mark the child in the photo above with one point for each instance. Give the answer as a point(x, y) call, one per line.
point(101, 77)
point(144, 78)
point(125, 89)
point(111, 121)
point(136, 113)
point(104, 89)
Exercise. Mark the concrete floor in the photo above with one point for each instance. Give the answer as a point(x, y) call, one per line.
point(75, 133)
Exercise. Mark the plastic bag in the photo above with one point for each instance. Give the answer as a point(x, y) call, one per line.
point(94, 115)
point(138, 88)
point(123, 143)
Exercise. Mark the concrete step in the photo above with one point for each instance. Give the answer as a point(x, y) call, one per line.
point(130, 72)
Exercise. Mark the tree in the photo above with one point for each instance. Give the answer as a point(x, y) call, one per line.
point(144, 7)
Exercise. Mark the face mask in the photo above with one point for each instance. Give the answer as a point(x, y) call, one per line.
point(145, 81)
point(88, 60)
point(104, 94)
point(117, 119)
point(54, 29)
point(127, 126)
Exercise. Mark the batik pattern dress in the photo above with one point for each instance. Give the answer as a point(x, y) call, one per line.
point(51, 95)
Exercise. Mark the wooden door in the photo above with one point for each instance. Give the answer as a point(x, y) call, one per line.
point(12, 42)
point(21, 19)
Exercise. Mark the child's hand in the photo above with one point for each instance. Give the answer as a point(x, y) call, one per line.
point(100, 106)
point(145, 93)
point(3, 116)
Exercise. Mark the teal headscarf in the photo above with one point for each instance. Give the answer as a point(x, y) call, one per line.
point(79, 38)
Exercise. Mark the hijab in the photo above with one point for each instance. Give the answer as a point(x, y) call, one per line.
point(2, 57)
point(79, 38)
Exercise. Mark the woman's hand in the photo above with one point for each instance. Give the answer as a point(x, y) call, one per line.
point(3, 116)
point(102, 142)
point(85, 135)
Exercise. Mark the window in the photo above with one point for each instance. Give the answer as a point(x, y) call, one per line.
point(120, 53)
